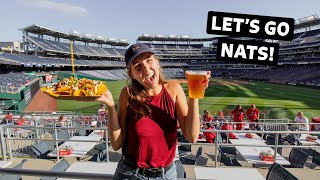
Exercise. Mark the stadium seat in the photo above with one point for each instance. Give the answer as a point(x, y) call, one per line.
point(278, 172)
point(41, 149)
point(297, 158)
point(62, 165)
point(271, 140)
point(227, 160)
point(190, 161)
point(13, 176)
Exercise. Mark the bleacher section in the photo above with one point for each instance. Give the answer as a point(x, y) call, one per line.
point(299, 60)
point(290, 75)
point(38, 61)
point(30, 61)
point(63, 47)
point(181, 52)
point(121, 74)
point(12, 81)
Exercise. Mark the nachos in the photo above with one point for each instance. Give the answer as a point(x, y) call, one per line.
point(76, 87)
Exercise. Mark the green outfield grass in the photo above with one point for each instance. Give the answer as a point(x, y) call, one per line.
point(281, 101)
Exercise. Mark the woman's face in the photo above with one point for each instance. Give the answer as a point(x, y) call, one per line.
point(145, 69)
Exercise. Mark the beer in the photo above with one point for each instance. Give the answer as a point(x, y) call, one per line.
point(196, 87)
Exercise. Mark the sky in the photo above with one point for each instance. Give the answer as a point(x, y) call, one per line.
point(128, 19)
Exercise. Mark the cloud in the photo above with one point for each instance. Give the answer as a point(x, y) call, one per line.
point(58, 6)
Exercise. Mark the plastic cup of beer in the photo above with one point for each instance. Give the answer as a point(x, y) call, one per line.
point(196, 88)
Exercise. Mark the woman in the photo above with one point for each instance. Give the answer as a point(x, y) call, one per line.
point(145, 126)
point(238, 115)
point(207, 117)
point(210, 136)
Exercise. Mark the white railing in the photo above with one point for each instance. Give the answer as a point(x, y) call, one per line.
point(11, 137)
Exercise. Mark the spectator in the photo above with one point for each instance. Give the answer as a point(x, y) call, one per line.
point(87, 120)
point(102, 115)
point(210, 136)
point(61, 121)
point(238, 116)
point(207, 117)
point(221, 115)
point(300, 118)
point(8, 119)
point(252, 115)
point(227, 126)
point(21, 121)
point(316, 126)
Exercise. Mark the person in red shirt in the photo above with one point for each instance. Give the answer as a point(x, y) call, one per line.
point(252, 115)
point(7, 119)
point(238, 116)
point(227, 126)
point(145, 126)
point(210, 136)
point(21, 121)
point(221, 115)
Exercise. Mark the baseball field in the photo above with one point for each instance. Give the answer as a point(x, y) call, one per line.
point(274, 100)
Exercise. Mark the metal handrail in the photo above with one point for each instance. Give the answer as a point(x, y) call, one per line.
point(276, 146)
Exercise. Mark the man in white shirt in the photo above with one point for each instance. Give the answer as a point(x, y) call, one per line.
point(300, 118)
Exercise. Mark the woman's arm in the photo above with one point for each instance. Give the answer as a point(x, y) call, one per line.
point(116, 121)
point(188, 114)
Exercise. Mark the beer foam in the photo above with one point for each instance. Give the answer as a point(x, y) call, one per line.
point(197, 72)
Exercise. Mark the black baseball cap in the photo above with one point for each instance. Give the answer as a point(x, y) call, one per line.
point(134, 51)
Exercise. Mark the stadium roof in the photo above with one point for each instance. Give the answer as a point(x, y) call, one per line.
point(308, 21)
point(36, 29)
point(171, 38)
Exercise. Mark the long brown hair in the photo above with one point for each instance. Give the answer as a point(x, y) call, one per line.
point(138, 97)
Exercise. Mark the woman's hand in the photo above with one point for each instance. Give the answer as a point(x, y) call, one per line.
point(106, 98)
point(205, 81)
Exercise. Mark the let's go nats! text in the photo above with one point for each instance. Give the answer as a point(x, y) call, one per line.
point(254, 51)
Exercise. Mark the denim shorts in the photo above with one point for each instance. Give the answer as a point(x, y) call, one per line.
point(124, 172)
